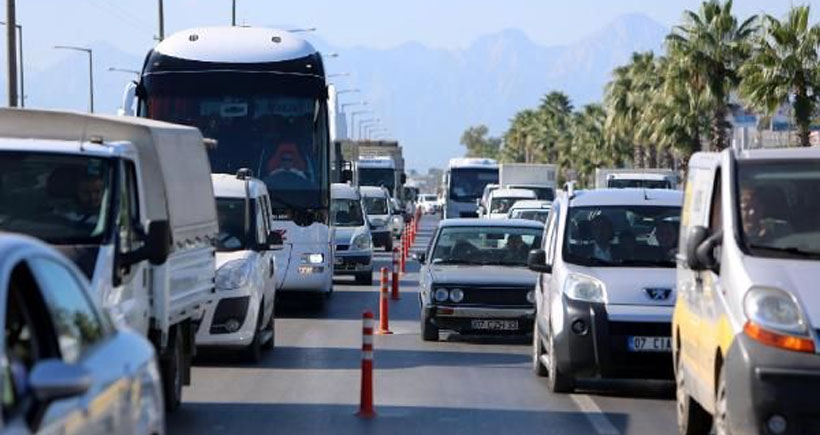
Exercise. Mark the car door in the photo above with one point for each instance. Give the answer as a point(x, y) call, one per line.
point(268, 263)
point(87, 338)
point(544, 295)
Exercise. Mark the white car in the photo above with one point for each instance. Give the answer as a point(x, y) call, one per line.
point(607, 286)
point(501, 200)
point(428, 203)
point(243, 316)
point(86, 375)
point(379, 215)
point(353, 253)
point(532, 210)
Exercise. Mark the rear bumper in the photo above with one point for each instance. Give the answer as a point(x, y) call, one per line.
point(460, 319)
point(598, 344)
point(764, 381)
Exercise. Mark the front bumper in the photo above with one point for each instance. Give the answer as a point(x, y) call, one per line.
point(240, 305)
point(764, 381)
point(601, 347)
point(348, 263)
point(460, 318)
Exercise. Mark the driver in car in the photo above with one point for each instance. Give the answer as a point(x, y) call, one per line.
point(88, 195)
point(286, 165)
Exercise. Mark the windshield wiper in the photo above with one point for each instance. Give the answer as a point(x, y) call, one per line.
point(787, 250)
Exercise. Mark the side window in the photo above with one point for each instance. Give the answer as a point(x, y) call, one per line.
point(76, 322)
point(128, 217)
point(552, 232)
point(715, 210)
point(261, 225)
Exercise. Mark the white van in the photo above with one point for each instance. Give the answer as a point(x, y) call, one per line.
point(130, 202)
point(607, 286)
point(379, 214)
point(243, 316)
point(353, 252)
point(501, 200)
point(747, 320)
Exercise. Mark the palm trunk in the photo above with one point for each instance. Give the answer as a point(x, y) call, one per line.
point(802, 116)
point(651, 156)
point(637, 156)
point(719, 127)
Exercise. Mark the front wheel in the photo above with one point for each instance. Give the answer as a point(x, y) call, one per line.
point(692, 418)
point(253, 353)
point(271, 329)
point(172, 369)
point(557, 381)
point(537, 352)
point(722, 406)
point(429, 331)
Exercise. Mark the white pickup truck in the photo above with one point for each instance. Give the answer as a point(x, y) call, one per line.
point(130, 201)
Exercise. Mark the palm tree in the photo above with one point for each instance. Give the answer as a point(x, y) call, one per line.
point(711, 44)
point(785, 67)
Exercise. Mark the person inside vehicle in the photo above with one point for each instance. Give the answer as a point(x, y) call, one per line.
point(86, 193)
point(666, 233)
point(602, 234)
point(516, 249)
point(286, 165)
point(758, 207)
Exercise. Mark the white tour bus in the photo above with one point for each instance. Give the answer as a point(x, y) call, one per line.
point(464, 182)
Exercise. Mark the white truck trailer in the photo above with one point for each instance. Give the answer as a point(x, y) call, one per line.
point(540, 178)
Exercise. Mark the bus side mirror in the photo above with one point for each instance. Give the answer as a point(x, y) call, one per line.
point(347, 175)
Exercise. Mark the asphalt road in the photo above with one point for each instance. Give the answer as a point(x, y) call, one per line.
point(462, 385)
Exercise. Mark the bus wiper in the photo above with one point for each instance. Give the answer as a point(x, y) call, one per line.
point(788, 250)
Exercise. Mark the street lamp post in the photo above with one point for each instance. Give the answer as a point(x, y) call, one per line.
point(309, 29)
point(124, 70)
point(365, 122)
point(353, 119)
point(90, 71)
point(355, 103)
point(20, 66)
point(345, 74)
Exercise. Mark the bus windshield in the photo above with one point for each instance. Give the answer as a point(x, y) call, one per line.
point(467, 185)
point(378, 177)
point(278, 137)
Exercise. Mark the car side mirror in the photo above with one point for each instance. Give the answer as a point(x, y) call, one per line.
point(52, 380)
point(537, 261)
point(156, 245)
point(347, 176)
point(403, 178)
point(275, 240)
point(697, 235)
point(421, 257)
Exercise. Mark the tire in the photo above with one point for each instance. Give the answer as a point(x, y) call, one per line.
point(253, 352)
point(557, 381)
point(365, 278)
point(172, 369)
point(271, 327)
point(692, 418)
point(429, 331)
point(721, 418)
point(537, 351)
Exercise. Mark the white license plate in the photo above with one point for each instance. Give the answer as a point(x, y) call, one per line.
point(495, 325)
point(649, 344)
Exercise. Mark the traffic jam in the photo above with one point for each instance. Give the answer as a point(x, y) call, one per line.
point(134, 244)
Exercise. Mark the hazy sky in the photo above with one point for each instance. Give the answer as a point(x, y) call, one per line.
point(131, 24)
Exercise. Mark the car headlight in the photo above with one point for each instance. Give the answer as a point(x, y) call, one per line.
point(362, 242)
point(584, 288)
point(313, 258)
point(531, 296)
point(456, 295)
point(775, 319)
point(233, 275)
point(441, 294)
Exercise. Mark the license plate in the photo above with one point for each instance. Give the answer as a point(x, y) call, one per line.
point(649, 344)
point(495, 325)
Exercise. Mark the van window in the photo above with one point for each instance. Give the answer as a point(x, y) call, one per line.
point(715, 210)
point(777, 208)
point(128, 217)
point(551, 232)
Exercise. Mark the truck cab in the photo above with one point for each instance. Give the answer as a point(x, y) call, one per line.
point(130, 202)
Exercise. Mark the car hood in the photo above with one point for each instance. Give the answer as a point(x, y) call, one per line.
point(345, 235)
point(224, 257)
point(635, 285)
point(482, 275)
point(794, 276)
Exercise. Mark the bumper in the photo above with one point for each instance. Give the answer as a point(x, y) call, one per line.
point(593, 342)
point(313, 278)
point(349, 263)
point(460, 319)
point(238, 305)
point(381, 238)
point(763, 381)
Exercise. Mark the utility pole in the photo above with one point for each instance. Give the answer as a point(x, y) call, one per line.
point(20, 65)
point(233, 14)
point(11, 51)
point(161, 35)
point(90, 71)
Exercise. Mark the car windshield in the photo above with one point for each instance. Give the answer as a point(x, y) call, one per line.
point(778, 208)
point(467, 185)
point(374, 205)
point(346, 213)
point(233, 236)
point(533, 215)
point(625, 236)
point(503, 205)
point(486, 245)
point(646, 184)
point(59, 198)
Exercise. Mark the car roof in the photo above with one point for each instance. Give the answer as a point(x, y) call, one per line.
point(478, 222)
point(630, 196)
point(513, 193)
point(343, 191)
point(229, 186)
point(532, 204)
point(373, 191)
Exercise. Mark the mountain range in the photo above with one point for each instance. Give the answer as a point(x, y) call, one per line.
point(425, 96)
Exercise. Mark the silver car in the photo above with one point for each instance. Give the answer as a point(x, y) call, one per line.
point(66, 368)
point(474, 277)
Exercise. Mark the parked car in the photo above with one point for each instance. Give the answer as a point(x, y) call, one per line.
point(528, 209)
point(378, 212)
point(607, 286)
point(474, 277)
point(501, 200)
point(243, 315)
point(353, 254)
point(67, 366)
point(429, 203)
point(747, 320)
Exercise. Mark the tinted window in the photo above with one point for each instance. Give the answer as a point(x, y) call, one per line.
point(76, 323)
point(467, 185)
point(375, 205)
point(233, 234)
point(377, 177)
point(507, 246)
point(646, 184)
point(346, 213)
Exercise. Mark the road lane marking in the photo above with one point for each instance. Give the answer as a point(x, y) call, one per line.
point(594, 414)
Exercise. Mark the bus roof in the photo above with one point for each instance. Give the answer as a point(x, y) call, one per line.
point(378, 162)
point(473, 162)
point(235, 45)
